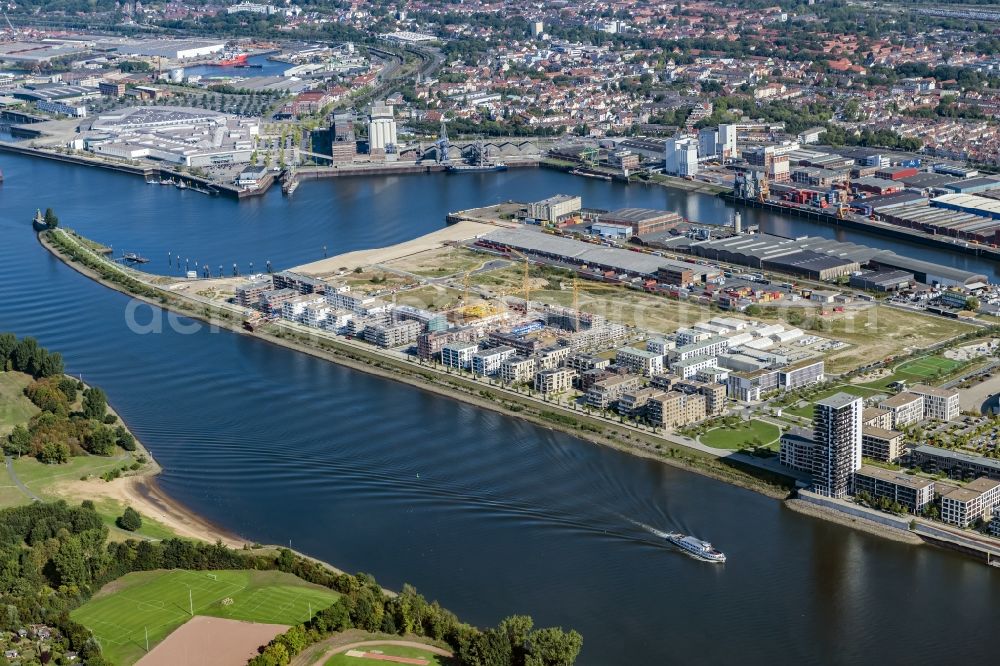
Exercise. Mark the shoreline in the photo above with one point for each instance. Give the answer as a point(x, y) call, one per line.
point(348, 358)
point(869, 526)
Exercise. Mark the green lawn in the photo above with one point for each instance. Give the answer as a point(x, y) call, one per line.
point(928, 369)
point(861, 391)
point(158, 602)
point(394, 650)
point(14, 407)
point(742, 435)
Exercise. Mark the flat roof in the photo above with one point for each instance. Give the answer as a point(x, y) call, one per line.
point(924, 389)
point(957, 456)
point(838, 400)
point(900, 399)
point(972, 490)
point(898, 478)
point(638, 214)
point(881, 433)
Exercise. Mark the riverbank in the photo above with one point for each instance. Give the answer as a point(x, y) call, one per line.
point(735, 469)
point(854, 522)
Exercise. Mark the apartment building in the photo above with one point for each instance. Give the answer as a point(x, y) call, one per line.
point(801, 374)
point(837, 432)
point(487, 362)
point(518, 370)
point(602, 394)
point(389, 336)
point(639, 361)
point(711, 347)
point(876, 417)
point(634, 403)
point(881, 444)
point(675, 408)
point(750, 386)
point(431, 343)
point(294, 309)
point(552, 357)
point(715, 395)
point(584, 362)
point(913, 492)
point(797, 446)
point(956, 463)
point(459, 354)
point(964, 506)
point(905, 407)
point(554, 380)
point(248, 295)
point(689, 336)
point(692, 366)
point(660, 346)
point(940, 404)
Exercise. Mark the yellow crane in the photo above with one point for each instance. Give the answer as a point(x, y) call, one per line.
point(526, 280)
point(576, 296)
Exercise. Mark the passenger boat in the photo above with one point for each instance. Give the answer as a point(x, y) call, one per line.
point(701, 549)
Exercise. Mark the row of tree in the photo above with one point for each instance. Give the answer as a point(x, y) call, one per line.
point(27, 356)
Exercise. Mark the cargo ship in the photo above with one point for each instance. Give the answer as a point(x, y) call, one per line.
point(703, 550)
point(480, 165)
point(233, 59)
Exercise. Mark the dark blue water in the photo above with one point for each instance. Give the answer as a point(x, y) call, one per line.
point(485, 513)
point(267, 68)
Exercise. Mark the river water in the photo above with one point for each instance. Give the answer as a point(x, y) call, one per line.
point(485, 513)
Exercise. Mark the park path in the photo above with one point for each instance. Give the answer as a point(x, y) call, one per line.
point(318, 654)
point(17, 482)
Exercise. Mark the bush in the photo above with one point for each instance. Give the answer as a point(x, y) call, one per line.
point(53, 453)
point(130, 520)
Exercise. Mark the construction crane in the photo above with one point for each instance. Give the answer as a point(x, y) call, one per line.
point(576, 297)
point(9, 24)
point(526, 280)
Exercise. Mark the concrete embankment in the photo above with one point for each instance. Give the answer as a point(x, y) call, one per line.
point(147, 172)
point(852, 515)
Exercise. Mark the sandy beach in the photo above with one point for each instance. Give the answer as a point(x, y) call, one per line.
point(454, 233)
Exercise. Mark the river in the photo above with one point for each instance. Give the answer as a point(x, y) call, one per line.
point(485, 513)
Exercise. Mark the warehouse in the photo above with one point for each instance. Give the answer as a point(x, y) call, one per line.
point(875, 185)
point(642, 220)
point(587, 255)
point(882, 281)
point(974, 185)
point(811, 265)
point(948, 219)
point(969, 203)
point(175, 49)
point(784, 255)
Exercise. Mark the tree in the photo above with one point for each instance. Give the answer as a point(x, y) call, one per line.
point(54, 453)
point(18, 441)
point(125, 438)
point(972, 303)
point(130, 520)
point(7, 343)
point(51, 220)
point(553, 647)
point(95, 404)
point(100, 441)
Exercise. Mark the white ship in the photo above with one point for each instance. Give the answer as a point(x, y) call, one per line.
point(700, 549)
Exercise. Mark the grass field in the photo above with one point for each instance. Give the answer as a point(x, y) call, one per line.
point(394, 650)
point(928, 369)
point(742, 435)
point(158, 602)
point(14, 407)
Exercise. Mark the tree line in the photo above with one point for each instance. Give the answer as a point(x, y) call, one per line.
point(54, 557)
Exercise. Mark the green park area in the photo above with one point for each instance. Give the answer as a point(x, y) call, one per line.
point(15, 408)
point(344, 659)
point(928, 369)
point(157, 602)
point(747, 433)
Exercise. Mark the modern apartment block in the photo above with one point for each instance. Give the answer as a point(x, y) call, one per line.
point(749, 386)
point(660, 346)
point(711, 347)
point(837, 432)
point(964, 506)
point(487, 362)
point(431, 343)
point(389, 336)
point(801, 374)
point(604, 393)
point(906, 408)
point(459, 354)
point(248, 295)
point(876, 417)
point(552, 357)
point(691, 367)
point(715, 394)
point(518, 370)
point(940, 404)
point(634, 403)
point(913, 492)
point(881, 444)
point(956, 463)
point(675, 408)
point(555, 380)
point(639, 361)
point(797, 446)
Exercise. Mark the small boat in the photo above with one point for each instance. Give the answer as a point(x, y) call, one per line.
point(476, 168)
point(701, 549)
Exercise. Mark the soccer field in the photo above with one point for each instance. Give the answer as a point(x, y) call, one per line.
point(928, 367)
point(154, 603)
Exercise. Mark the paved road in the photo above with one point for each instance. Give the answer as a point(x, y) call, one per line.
point(17, 482)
